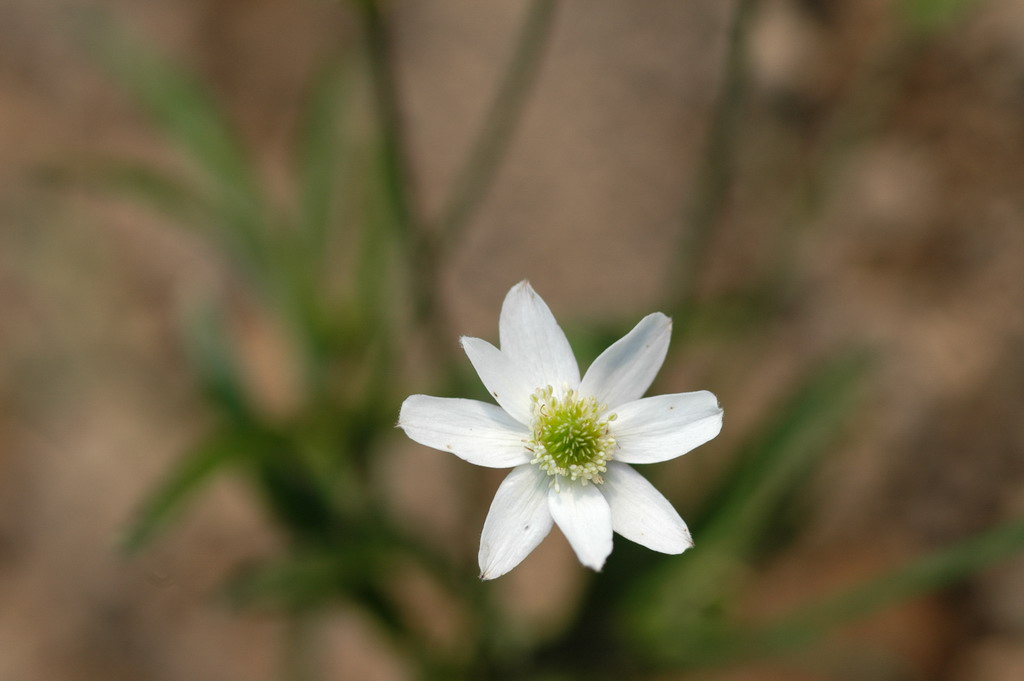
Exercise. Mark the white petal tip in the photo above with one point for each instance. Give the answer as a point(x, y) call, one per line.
point(489, 573)
point(524, 287)
point(719, 420)
point(683, 547)
point(673, 547)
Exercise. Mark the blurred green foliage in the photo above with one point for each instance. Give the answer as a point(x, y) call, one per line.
point(930, 16)
point(311, 467)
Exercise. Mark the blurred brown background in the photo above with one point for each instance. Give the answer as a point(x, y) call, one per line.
point(887, 160)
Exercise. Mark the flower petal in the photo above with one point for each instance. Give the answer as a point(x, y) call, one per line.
point(660, 428)
point(582, 513)
point(532, 339)
point(640, 513)
point(624, 371)
point(478, 432)
point(502, 378)
point(518, 521)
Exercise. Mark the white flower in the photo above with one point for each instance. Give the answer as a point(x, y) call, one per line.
point(569, 442)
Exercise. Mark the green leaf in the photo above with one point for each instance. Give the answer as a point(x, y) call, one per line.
point(312, 577)
point(745, 512)
point(189, 116)
point(147, 185)
point(293, 493)
point(302, 580)
point(216, 364)
point(770, 465)
point(809, 624)
point(320, 155)
point(930, 16)
point(187, 476)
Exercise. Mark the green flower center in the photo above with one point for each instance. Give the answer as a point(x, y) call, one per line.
point(570, 436)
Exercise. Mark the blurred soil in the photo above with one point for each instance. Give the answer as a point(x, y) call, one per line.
point(908, 155)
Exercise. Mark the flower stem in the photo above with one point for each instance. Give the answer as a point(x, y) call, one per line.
point(505, 112)
point(716, 172)
point(397, 167)
point(420, 247)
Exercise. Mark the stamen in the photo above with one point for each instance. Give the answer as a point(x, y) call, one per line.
point(570, 436)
